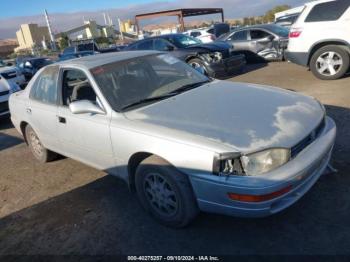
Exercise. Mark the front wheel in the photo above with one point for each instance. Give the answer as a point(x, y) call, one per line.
point(165, 192)
point(330, 62)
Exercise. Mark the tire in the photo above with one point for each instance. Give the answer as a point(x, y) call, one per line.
point(179, 207)
point(42, 154)
point(196, 62)
point(322, 62)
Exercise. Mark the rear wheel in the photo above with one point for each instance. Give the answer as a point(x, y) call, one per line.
point(42, 154)
point(330, 62)
point(165, 192)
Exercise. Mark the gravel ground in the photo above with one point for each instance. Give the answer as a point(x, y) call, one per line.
point(65, 207)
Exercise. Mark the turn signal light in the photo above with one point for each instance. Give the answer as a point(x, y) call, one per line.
point(259, 198)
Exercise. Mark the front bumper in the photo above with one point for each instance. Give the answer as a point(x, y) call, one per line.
point(227, 67)
point(301, 174)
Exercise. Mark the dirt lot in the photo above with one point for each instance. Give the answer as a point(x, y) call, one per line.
point(65, 207)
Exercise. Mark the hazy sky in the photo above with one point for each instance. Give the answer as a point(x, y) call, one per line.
point(65, 14)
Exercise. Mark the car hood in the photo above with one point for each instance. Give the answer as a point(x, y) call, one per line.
point(212, 47)
point(246, 117)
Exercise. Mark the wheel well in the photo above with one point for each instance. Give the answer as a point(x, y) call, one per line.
point(190, 57)
point(23, 130)
point(133, 163)
point(320, 45)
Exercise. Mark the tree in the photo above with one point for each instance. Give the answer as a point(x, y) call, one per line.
point(63, 42)
point(270, 15)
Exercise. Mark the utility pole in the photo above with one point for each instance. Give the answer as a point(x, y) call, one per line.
point(52, 37)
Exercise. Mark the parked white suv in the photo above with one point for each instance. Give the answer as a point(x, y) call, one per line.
point(320, 38)
point(10, 81)
point(205, 35)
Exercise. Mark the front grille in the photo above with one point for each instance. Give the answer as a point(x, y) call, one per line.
point(308, 140)
point(4, 93)
point(9, 75)
point(4, 107)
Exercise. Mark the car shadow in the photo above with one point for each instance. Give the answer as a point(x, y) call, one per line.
point(5, 123)
point(7, 141)
point(105, 218)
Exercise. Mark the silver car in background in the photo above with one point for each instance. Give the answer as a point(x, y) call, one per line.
point(182, 141)
point(259, 42)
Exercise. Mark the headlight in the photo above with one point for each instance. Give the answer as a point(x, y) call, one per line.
point(264, 161)
point(213, 57)
point(252, 164)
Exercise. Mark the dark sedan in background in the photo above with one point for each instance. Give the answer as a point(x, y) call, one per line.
point(214, 59)
point(259, 42)
point(30, 65)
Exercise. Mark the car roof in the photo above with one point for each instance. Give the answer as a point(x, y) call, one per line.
point(93, 61)
point(263, 26)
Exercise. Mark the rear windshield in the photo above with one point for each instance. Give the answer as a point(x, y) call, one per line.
point(279, 30)
point(329, 11)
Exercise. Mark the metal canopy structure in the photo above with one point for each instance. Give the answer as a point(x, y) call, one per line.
point(180, 13)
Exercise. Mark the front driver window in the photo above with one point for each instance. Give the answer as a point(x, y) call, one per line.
point(45, 86)
point(239, 36)
point(76, 86)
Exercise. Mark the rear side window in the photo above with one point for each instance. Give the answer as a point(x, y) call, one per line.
point(258, 34)
point(45, 86)
point(239, 36)
point(329, 11)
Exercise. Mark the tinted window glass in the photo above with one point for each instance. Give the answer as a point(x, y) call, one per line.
point(146, 45)
point(329, 11)
point(211, 31)
point(239, 36)
point(76, 86)
point(161, 45)
point(195, 34)
point(45, 87)
point(258, 34)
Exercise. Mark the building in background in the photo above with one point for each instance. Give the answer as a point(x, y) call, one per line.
point(30, 37)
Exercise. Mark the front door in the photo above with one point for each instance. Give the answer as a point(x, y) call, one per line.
point(85, 136)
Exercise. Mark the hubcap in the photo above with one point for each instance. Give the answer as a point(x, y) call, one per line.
point(36, 144)
point(160, 194)
point(329, 63)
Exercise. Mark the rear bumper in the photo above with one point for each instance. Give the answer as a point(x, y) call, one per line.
point(300, 174)
point(299, 58)
point(227, 67)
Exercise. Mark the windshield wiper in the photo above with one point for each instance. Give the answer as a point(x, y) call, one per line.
point(188, 87)
point(147, 100)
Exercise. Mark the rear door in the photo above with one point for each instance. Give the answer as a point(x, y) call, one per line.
point(42, 107)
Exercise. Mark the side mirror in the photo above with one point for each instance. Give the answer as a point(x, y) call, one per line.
point(85, 106)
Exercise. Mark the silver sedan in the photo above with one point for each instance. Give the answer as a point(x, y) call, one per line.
point(182, 141)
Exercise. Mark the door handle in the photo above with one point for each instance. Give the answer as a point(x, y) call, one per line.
point(29, 111)
point(62, 120)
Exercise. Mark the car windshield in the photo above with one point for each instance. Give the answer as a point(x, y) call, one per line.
point(183, 41)
point(278, 30)
point(150, 78)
